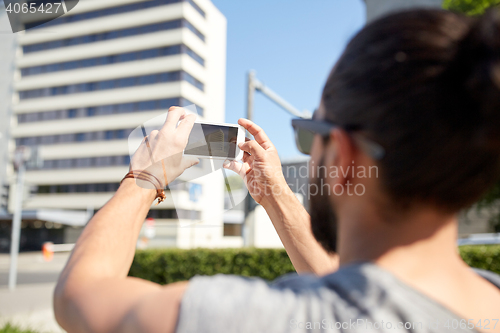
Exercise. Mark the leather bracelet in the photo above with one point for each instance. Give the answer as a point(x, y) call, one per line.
point(146, 176)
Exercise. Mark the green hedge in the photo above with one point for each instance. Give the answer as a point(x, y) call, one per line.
point(482, 256)
point(172, 265)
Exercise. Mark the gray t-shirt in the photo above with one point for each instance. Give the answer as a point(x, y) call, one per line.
point(357, 298)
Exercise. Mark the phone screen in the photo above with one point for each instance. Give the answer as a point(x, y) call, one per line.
point(212, 141)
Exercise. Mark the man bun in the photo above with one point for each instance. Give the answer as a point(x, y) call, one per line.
point(477, 69)
point(425, 85)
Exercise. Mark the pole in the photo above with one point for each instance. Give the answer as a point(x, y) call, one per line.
point(250, 94)
point(191, 227)
point(250, 98)
point(16, 227)
point(254, 84)
point(280, 101)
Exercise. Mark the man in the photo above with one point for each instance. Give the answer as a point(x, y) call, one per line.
point(415, 97)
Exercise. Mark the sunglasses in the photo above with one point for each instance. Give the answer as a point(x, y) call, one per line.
point(306, 129)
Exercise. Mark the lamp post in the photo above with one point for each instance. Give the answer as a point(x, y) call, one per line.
point(253, 85)
point(22, 155)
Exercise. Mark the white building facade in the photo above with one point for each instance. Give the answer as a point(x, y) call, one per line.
point(84, 81)
point(7, 55)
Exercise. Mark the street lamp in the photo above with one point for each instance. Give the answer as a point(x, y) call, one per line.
point(22, 155)
point(253, 85)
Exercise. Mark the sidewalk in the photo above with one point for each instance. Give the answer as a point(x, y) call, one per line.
point(30, 305)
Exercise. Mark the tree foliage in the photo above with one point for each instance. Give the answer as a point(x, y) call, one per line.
point(470, 7)
point(477, 7)
point(491, 201)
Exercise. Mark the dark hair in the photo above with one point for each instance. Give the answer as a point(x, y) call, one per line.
point(425, 84)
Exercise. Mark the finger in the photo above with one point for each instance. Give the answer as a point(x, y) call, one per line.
point(232, 165)
point(152, 136)
point(240, 168)
point(245, 169)
point(248, 158)
point(186, 125)
point(257, 132)
point(173, 116)
point(251, 147)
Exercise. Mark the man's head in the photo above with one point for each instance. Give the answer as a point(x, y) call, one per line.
point(425, 86)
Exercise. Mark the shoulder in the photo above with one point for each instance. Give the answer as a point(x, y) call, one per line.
point(234, 303)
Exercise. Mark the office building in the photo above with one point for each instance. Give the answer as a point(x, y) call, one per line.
point(7, 54)
point(84, 81)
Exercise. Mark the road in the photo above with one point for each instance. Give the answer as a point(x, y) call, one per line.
point(32, 269)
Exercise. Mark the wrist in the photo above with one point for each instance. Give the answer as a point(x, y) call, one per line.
point(280, 192)
point(145, 179)
point(130, 186)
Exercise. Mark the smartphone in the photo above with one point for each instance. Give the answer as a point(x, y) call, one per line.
point(215, 141)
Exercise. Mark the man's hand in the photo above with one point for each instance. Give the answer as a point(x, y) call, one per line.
point(161, 153)
point(93, 293)
point(261, 167)
point(262, 173)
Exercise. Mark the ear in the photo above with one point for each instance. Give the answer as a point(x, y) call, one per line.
point(339, 156)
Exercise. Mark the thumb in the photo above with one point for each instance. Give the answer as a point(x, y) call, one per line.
point(189, 161)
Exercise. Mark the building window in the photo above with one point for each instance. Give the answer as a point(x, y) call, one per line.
point(78, 137)
point(109, 11)
point(122, 33)
point(162, 104)
point(186, 24)
point(112, 187)
point(174, 214)
point(86, 162)
point(112, 84)
point(198, 9)
point(78, 188)
point(109, 135)
point(232, 229)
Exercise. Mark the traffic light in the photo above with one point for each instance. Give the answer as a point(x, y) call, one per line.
point(4, 197)
point(29, 192)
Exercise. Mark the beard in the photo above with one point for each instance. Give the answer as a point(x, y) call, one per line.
point(323, 217)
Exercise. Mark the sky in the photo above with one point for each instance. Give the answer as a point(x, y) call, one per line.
point(292, 45)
